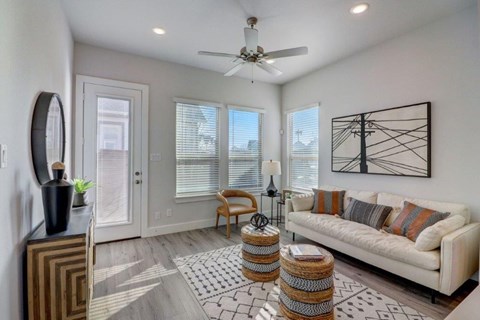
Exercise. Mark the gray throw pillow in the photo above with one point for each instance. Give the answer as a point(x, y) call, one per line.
point(373, 215)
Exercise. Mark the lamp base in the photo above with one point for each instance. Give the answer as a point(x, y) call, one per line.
point(271, 189)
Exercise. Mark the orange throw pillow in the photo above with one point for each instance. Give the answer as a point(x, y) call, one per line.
point(414, 219)
point(330, 202)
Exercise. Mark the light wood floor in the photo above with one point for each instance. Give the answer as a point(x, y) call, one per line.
point(137, 279)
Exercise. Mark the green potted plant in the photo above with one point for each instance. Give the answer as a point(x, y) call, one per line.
point(80, 196)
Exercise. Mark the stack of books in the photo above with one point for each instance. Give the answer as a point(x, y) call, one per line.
point(305, 252)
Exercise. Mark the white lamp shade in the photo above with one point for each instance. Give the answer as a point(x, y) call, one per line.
point(271, 168)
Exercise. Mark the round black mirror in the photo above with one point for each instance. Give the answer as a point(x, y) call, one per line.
point(48, 135)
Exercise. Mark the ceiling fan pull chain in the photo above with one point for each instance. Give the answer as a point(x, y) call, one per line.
point(252, 72)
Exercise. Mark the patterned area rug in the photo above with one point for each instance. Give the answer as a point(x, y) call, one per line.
point(218, 283)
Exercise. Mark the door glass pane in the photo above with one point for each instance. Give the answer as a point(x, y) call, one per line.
point(113, 121)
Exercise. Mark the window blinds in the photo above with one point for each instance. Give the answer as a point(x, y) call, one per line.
point(303, 148)
point(197, 150)
point(245, 150)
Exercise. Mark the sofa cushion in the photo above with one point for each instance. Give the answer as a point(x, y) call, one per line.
point(302, 202)
point(453, 208)
point(365, 196)
point(373, 215)
point(394, 200)
point(431, 237)
point(378, 242)
point(414, 219)
point(330, 202)
point(389, 199)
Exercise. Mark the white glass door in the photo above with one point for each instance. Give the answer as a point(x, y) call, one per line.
point(112, 158)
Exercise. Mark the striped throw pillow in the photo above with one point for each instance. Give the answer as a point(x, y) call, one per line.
point(330, 202)
point(370, 214)
point(414, 219)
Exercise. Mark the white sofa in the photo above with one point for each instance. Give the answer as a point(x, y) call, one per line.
point(443, 270)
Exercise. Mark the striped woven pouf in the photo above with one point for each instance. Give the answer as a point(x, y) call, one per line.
point(306, 287)
point(260, 253)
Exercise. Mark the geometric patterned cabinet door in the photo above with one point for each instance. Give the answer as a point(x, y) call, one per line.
point(59, 269)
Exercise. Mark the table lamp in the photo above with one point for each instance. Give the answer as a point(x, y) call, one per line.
point(271, 168)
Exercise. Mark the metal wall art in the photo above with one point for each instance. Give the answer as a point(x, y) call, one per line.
point(393, 141)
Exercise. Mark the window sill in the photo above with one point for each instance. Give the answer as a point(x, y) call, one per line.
point(205, 197)
point(300, 190)
point(194, 198)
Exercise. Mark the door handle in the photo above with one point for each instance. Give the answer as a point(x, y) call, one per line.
point(137, 173)
point(138, 181)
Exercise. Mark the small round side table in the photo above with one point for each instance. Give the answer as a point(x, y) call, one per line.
point(306, 287)
point(260, 253)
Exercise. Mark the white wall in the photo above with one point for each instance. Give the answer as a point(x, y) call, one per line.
point(166, 81)
point(36, 53)
point(438, 63)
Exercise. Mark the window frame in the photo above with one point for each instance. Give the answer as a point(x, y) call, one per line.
point(289, 113)
point(261, 124)
point(205, 193)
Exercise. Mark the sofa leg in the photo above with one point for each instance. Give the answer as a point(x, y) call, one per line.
point(293, 236)
point(433, 296)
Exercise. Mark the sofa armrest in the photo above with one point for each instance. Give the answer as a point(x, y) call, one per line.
point(459, 257)
point(288, 209)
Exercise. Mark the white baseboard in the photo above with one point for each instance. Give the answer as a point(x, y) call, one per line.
point(191, 225)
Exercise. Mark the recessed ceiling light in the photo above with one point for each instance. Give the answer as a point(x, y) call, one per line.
point(159, 31)
point(270, 61)
point(359, 8)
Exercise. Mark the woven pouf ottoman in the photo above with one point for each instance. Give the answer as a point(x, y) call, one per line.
point(260, 253)
point(306, 287)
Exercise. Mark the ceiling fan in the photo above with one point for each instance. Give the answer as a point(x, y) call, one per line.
point(253, 54)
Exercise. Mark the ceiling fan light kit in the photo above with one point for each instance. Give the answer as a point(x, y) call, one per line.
point(254, 54)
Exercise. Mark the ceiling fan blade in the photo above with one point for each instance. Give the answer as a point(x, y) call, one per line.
point(234, 70)
point(287, 53)
point(251, 39)
point(269, 68)
point(218, 54)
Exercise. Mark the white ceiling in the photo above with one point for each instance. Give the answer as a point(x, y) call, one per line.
point(325, 26)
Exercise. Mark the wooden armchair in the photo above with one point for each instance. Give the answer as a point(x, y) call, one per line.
point(228, 209)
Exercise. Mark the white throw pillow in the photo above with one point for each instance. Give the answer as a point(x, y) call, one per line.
point(431, 237)
point(302, 202)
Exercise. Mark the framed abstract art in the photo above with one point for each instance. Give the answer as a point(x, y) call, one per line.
point(395, 141)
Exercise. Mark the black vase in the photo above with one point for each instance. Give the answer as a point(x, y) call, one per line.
point(57, 197)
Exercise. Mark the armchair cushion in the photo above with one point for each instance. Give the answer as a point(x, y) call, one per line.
point(236, 209)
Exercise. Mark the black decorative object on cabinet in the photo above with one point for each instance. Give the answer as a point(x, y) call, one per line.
point(57, 197)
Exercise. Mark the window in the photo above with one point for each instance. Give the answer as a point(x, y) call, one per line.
point(197, 149)
point(245, 149)
point(303, 148)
